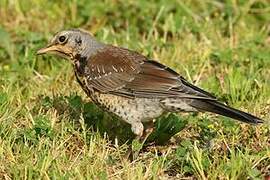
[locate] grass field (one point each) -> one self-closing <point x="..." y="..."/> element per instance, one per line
<point x="49" y="129"/>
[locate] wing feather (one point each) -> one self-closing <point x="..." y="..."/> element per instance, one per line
<point x="112" y="67"/>
<point x="126" y="73"/>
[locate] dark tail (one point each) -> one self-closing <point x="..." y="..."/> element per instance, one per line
<point x="219" y="108"/>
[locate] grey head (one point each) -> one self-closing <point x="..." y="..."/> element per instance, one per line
<point x="72" y="43"/>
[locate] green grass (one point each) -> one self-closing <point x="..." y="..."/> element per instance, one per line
<point x="49" y="129"/>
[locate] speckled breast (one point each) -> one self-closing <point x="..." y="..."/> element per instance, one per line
<point x="128" y="109"/>
<point x="138" y="109"/>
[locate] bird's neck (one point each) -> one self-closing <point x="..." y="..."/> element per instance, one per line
<point x="80" y="64"/>
<point x="85" y="53"/>
<point x="90" y="48"/>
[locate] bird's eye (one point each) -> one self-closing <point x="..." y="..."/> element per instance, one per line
<point x="62" y="39"/>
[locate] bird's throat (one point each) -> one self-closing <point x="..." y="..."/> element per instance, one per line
<point x="80" y="65"/>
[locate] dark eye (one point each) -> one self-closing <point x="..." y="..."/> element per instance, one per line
<point x="62" y="39"/>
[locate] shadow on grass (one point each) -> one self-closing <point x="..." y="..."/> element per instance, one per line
<point x="74" y="108"/>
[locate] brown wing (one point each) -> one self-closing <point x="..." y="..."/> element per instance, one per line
<point x="158" y="81"/>
<point x="127" y="73"/>
<point x="112" y="68"/>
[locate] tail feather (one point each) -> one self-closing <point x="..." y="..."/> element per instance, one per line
<point x="219" y="108"/>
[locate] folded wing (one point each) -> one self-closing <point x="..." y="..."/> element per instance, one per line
<point x="127" y="73"/>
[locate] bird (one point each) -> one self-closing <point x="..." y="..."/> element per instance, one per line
<point x="132" y="86"/>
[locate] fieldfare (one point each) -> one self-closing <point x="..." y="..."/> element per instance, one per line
<point x="132" y="86"/>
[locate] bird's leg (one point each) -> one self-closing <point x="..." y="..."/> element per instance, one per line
<point x="133" y="151"/>
<point x="149" y="128"/>
<point x="138" y="129"/>
<point x="141" y="137"/>
<point x="144" y="132"/>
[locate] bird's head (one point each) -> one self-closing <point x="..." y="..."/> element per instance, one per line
<point x="70" y="43"/>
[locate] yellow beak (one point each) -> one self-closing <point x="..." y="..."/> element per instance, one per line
<point x="46" y="49"/>
<point x="59" y="50"/>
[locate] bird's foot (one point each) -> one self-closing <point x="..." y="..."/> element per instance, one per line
<point x="138" y="143"/>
